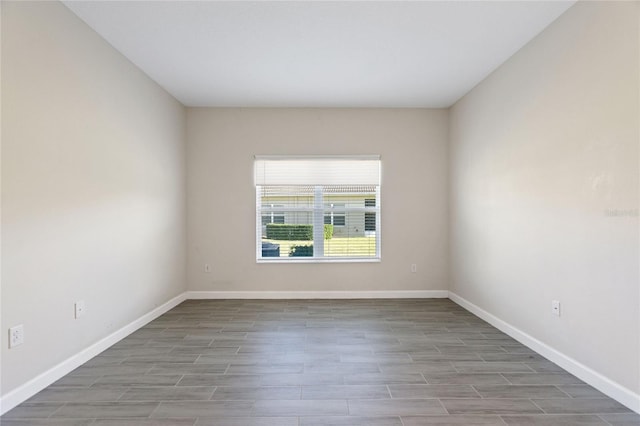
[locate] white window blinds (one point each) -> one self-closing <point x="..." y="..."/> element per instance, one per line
<point x="360" y="170"/>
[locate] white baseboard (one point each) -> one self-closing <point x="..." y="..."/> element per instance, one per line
<point x="400" y="294"/>
<point x="608" y="387"/>
<point x="605" y="385"/>
<point x="35" y="385"/>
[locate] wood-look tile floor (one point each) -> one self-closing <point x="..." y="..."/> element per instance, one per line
<point x="316" y="363"/>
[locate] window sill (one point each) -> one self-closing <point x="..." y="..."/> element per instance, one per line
<point x="320" y="260"/>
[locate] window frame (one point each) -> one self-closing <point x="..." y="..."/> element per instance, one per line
<point x="319" y="211"/>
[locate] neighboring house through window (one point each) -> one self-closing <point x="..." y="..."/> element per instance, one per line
<point x="370" y="217"/>
<point x="335" y="216"/>
<point x="273" y="217"/>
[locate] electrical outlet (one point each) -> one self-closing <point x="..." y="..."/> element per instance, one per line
<point x="16" y="336"/>
<point x="79" y="308"/>
<point x="207" y="268"/>
<point x="555" y="307"/>
<point x="414" y="268"/>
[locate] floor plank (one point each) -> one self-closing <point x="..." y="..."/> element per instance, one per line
<point x="405" y="362"/>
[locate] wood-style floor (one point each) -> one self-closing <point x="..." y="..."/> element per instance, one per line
<point x="319" y="362"/>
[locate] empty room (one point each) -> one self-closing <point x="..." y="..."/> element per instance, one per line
<point x="308" y="213"/>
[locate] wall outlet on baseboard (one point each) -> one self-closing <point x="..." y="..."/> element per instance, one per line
<point x="79" y="308"/>
<point x="16" y="336"/>
<point x="555" y="307"/>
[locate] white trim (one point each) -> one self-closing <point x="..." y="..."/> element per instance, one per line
<point x="311" y="259"/>
<point x="35" y="385"/>
<point x="401" y="294"/>
<point x="612" y="389"/>
<point x="605" y="385"/>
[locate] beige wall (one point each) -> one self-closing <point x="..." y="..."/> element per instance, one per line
<point x="544" y="190"/>
<point x="221" y="210"/>
<point x="93" y="189"/>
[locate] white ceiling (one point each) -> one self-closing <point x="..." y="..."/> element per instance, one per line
<point x="318" y="53"/>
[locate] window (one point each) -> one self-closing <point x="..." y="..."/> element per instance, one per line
<point x="317" y="208"/>
<point x="370" y="217"/>
<point x="273" y="217"/>
<point x="335" y="215"/>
